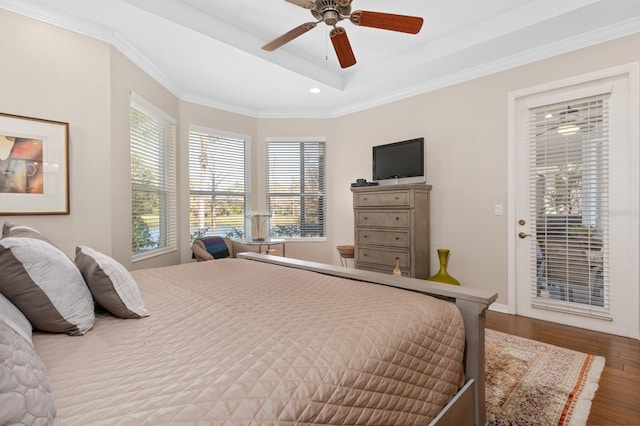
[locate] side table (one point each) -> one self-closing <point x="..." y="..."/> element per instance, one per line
<point x="268" y="243"/>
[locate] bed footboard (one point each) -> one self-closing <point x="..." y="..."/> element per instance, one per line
<point x="457" y="411"/>
<point x="472" y="304"/>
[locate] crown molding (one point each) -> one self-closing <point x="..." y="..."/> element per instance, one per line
<point x="591" y="38"/>
<point x="134" y="55"/>
<point x="224" y="106"/>
<point x="59" y="20"/>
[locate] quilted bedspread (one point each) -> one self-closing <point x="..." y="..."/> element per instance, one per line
<point x="237" y="342"/>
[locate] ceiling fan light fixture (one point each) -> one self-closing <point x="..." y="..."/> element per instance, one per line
<point x="331" y="12"/>
<point x="330" y="17"/>
<point x="568" y="129"/>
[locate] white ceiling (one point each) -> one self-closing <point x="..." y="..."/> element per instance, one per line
<point x="209" y="51"/>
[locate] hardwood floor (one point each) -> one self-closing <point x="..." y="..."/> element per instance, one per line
<point x="617" y="401"/>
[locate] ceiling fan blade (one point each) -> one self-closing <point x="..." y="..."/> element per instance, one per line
<point x="342" y="47"/>
<point x="387" y="21"/>
<point x="288" y="36"/>
<point x="307" y="4"/>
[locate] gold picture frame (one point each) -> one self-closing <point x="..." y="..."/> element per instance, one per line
<point x="34" y="166"/>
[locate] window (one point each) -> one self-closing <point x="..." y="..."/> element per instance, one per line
<point x="296" y="188"/>
<point x="218" y="184"/>
<point x="153" y="181"/>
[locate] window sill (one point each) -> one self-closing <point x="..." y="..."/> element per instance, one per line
<point x="304" y="240"/>
<point x="153" y="253"/>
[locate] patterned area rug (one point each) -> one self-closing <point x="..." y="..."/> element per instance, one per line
<point x="533" y="383"/>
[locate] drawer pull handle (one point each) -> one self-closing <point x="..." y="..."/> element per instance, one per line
<point x="397" y="218"/>
<point x="397" y="238"/>
<point x="365" y="218"/>
<point x="365" y="236"/>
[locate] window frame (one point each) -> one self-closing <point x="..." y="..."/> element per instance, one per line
<point x="246" y="194"/>
<point x="322" y="185"/>
<point x="166" y="190"/>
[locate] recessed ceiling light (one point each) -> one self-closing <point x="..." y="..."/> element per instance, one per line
<point x="315" y="90"/>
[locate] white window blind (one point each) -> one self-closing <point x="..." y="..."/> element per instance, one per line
<point x="296" y="188"/>
<point x="218" y="184"/>
<point x="153" y="181"/>
<point x="569" y="163"/>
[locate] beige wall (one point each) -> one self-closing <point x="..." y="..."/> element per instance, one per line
<point x="465" y="130"/>
<point x="59" y="75"/>
<point x="53" y="74"/>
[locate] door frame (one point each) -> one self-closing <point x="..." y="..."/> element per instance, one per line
<point x="632" y="73"/>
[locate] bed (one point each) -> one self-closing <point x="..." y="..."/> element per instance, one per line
<point x="267" y="340"/>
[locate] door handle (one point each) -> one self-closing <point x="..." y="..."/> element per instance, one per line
<point x="523" y="235"/>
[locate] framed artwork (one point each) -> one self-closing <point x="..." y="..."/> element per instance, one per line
<point x="34" y="166"/>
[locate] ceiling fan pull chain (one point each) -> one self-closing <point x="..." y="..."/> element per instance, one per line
<point x="326" y="43"/>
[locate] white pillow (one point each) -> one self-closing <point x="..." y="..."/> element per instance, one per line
<point x="111" y="285"/>
<point x="41" y="281"/>
<point x="15" y="319"/>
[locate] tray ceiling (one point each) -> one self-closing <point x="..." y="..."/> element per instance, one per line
<point x="209" y="51"/>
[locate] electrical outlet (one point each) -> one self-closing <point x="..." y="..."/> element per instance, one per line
<point x="497" y="210"/>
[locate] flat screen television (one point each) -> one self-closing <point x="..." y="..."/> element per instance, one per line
<point x="399" y="161"/>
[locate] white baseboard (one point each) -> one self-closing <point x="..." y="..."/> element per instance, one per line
<point x="499" y="307"/>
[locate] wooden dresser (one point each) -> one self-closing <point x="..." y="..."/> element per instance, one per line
<point x="392" y="223"/>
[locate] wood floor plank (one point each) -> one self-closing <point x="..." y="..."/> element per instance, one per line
<point x="617" y="401"/>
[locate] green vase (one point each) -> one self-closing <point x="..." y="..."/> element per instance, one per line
<point x="442" y="275"/>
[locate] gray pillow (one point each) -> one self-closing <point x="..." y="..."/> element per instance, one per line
<point x="25" y="390"/>
<point x="6" y="228"/>
<point x="15" y="319"/>
<point x="10" y="230"/>
<point x="45" y="285"/>
<point x="111" y="285"/>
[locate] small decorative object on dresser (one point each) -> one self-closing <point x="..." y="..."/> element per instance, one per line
<point x="392" y="227"/>
<point x="443" y="275"/>
<point x="396" y="270"/>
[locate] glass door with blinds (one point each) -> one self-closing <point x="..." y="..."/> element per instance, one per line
<point x="568" y="178"/>
<point x="573" y="174"/>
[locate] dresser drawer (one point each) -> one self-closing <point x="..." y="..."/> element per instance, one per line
<point x="383" y="269"/>
<point x="383" y="199"/>
<point x="385" y="218"/>
<point x="376" y="237"/>
<point x="383" y="257"/>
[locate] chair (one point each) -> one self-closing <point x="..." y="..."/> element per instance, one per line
<point x="569" y="274"/>
<point x="200" y="253"/>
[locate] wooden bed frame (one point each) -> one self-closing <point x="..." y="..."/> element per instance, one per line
<point x="467" y="407"/>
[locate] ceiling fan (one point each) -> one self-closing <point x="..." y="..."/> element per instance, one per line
<point x="333" y="11"/>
